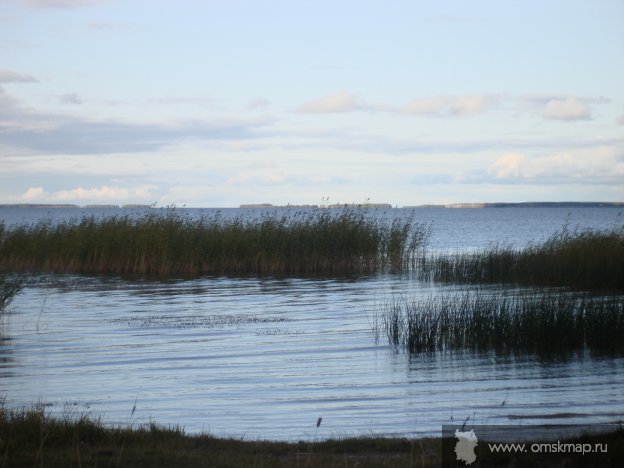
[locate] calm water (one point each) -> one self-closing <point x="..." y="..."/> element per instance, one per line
<point x="265" y="357"/>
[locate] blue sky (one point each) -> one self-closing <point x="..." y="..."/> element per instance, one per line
<point x="217" y="103"/>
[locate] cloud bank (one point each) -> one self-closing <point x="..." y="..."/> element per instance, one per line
<point x="62" y="134"/>
<point x="564" y="108"/>
<point x="436" y="106"/>
<point x="451" y="106"/>
<point x="104" y="193"/>
<point x="570" y="108"/>
<point x="599" y="165"/>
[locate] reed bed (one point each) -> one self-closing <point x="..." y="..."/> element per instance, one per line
<point x="168" y="243"/>
<point x="525" y="323"/>
<point x="588" y="260"/>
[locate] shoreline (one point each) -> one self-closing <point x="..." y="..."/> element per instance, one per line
<point x="31" y="437"/>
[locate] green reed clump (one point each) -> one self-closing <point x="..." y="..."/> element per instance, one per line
<point x="589" y="260"/>
<point x="541" y="323"/>
<point x="165" y="244"/>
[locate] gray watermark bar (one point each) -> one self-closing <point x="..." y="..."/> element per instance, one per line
<point x="522" y="445"/>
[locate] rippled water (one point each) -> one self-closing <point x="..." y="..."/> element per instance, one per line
<point x="265" y="357"/>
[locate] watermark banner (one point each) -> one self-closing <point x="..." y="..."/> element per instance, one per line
<point x="558" y="445"/>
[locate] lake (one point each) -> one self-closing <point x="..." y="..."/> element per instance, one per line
<point x="265" y="357"/>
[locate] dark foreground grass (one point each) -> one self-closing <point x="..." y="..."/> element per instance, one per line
<point x="534" y="323"/>
<point x="170" y="244"/>
<point x="587" y="259"/>
<point x="32" y="438"/>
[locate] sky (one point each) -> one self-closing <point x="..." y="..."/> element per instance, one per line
<point x="219" y="103"/>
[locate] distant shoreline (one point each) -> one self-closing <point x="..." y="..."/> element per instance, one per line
<point x="567" y="204"/>
<point x="525" y="205"/>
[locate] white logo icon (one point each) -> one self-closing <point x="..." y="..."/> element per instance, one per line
<point x="465" y="446"/>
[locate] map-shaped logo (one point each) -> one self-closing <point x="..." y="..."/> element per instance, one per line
<point x="466" y="443"/>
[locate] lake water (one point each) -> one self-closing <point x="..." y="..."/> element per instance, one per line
<point x="265" y="357"/>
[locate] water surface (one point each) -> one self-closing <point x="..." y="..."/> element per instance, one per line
<point x="265" y="357"/>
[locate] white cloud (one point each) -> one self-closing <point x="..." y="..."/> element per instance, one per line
<point x="598" y="165"/>
<point x="508" y="165"/>
<point x="8" y="76"/>
<point x="334" y="103"/>
<point x="569" y="108"/>
<point x="105" y="193"/>
<point x="563" y="107"/>
<point x="451" y="106"/>
<point x="33" y="194"/>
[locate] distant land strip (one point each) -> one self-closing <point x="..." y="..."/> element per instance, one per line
<point x="565" y="204"/>
<point x="570" y="204"/>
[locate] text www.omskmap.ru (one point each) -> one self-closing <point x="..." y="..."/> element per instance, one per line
<point x="554" y="447"/>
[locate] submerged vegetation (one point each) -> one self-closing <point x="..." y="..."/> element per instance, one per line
<point x="169" y="243"/>
<point x="10" y="286"/>
<point x="542" y="323"/>
<point x="589" y="260"/>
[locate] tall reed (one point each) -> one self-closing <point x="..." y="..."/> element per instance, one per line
<point x="541" y="323"/>
<point x="168" y="243"/>
<point x="588" y="259"/>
